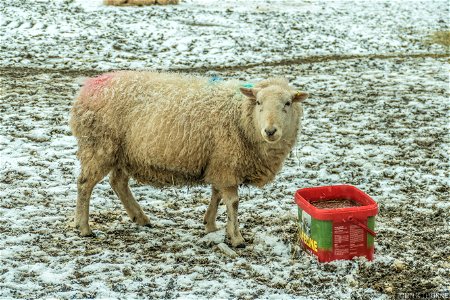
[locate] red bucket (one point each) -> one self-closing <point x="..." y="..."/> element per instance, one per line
<point x="336" y="222"/>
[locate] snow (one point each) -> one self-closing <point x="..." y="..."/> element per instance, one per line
<point x="380" y="123"/>
<point x="210" y="34"/>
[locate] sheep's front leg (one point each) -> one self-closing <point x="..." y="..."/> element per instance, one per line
<point x="231" y="199"/>
<point x="211" y="213"/>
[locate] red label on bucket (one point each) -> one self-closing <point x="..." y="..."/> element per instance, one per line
<point x="349" y="240"/>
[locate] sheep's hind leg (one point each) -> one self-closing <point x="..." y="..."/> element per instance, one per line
<point x="119" y="183"/>
<point x="91" y="173"/>
<point x="211" y="213"/>
<point x="231" y="198"/>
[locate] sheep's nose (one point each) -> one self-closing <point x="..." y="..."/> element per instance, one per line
<point x="271" y="131"/>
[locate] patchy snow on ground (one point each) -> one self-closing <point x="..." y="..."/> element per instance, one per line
<point x="86" y="34"/>
<point x="377" y="118"/>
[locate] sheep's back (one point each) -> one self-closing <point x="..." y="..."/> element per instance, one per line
<point x="170" y="122"/>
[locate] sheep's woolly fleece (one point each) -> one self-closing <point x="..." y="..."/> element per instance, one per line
<point x="190" y="132"/>
<point x="380" y="123"/>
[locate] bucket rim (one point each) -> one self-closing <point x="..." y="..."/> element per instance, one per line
<point x="305" y="195"/>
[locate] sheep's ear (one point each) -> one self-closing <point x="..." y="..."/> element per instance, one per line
<point x="250" y="92"/>
<point x="299" y="96"/>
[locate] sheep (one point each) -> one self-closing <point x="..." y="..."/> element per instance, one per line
<point x="167" y="129"/>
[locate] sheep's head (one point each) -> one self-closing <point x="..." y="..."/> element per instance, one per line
<point x="274" y="109"/>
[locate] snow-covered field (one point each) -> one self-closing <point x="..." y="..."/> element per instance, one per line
<point x="378" y="118"/>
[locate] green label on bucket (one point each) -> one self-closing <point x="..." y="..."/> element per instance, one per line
<point x="305" y="231"/>
<point x="322" y="233"/>
<point x="316" y="234"/>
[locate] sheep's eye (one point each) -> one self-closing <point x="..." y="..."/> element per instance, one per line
<point x="287" y="104"/>
<point x="258" y="103"/>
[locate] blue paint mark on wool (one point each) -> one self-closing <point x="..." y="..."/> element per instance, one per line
<point x="248" y="85"/>
<point x="215" y="79"/>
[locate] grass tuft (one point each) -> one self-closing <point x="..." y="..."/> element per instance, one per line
<point x="441" y="38"/>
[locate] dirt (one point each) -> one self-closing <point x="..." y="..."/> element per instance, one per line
<point x="243" y="67"/>
<point x="335" y="203"/>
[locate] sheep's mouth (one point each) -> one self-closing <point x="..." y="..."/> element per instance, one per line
<point x="271" y="139"/>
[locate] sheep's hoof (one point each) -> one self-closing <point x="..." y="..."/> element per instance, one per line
<point x="237" y="244"/>
<point x="241" y="245"/>
<point x="211" y="228"/>
<point x="142" y="220"/>
<point x="87" y="233"/>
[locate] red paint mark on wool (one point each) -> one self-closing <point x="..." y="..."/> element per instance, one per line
<point x="97" y="83"/>
<point x="91" y="87"/>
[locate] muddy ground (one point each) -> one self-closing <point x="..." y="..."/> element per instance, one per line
<point x="385" y="134"/>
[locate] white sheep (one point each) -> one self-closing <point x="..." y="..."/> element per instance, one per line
<point x="172" y="129"/>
